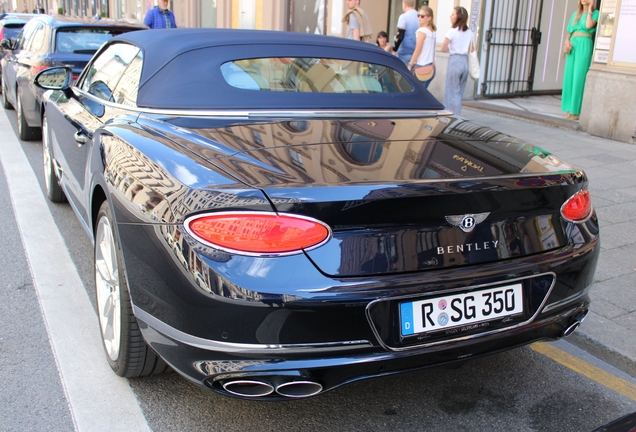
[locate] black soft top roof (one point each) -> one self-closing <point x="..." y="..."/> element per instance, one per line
<point x="182" y="70"/>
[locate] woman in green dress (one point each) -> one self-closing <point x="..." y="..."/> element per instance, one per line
<point x="578" y="45"/>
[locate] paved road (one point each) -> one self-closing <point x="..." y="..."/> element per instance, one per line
<point x="543" y="387"/>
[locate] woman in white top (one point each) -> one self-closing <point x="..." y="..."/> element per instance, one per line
<point x="457" y="43"/>
<point x="424" y="54"/>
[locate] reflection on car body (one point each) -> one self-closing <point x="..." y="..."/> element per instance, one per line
<point x="277" y="227"/>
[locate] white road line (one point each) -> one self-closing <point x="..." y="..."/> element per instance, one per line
<point x="98" y="399"/>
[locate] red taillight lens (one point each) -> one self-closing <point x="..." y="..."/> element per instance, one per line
<point x="578" y="207"/>
<point x="40" y="68"/>
<point x="255" y="233"/>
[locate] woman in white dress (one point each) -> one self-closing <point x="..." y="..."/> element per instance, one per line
<point x="424" y="54"/>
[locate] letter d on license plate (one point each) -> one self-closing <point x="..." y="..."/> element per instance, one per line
<point x="455" y="310"/>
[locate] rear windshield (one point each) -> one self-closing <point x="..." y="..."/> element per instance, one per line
<point x="313" y="75"/>
<point x="82" y="40"/>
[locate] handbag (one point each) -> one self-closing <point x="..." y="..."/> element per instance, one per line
<point x="473" y="62"/>
<point x="424" y="73"/>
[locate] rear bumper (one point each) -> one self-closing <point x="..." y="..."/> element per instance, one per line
<point x="330" y="367"/>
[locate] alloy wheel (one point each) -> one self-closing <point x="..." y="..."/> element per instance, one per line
<point x="108" y="288"/>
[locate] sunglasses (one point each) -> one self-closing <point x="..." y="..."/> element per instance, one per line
<point x="422" y="16"/>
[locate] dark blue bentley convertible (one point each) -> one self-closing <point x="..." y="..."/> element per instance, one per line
<point x="276" y="215"/>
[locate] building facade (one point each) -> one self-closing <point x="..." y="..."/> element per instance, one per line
<point x="520" y="41"/>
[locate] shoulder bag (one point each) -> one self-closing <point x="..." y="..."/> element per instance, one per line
<point x="473" y="62"/>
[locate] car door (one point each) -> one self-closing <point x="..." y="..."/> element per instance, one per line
<point x="30" y="62"/>
<point x="10" y="61"/>
<point x="77" y="118"/>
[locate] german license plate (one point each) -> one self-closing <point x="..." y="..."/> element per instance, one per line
<point x="457" y="310"/>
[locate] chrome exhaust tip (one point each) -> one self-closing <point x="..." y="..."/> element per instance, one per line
<point x="298" y="389"/>
<point x="577" y="322"/>
<point x="568" y="331"/>
<point x="248" y="388"/>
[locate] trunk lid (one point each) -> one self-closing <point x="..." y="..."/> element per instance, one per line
<point x="403" y="195"/>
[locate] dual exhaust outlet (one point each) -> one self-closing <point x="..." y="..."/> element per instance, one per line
<point x="257" y="387"/>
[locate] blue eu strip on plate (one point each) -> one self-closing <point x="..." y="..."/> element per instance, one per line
<point x="406" y="313"/>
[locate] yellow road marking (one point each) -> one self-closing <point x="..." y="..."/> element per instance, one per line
<point x="602" y="377"/>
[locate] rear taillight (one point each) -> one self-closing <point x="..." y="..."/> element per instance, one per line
<point x="1" y="33"/>
<point x="578" y="207"/>
<point x="258" y="233"/>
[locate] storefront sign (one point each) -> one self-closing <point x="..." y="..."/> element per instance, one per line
<point x="601" y="57"/>
<point x="603" y="43"/>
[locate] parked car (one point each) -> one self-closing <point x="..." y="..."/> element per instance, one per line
<point x="47" y="41"/>
<point x="10" y="26"/>
<point x="348" y="226"/>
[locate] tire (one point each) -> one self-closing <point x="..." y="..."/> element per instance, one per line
<point x="51" y="180"/>
<point x="5" y="102"/>
<point x="26" y="132"/>
<point x="126" y="351"/>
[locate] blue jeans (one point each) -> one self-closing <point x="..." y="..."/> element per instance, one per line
<point x="456" y="76"/>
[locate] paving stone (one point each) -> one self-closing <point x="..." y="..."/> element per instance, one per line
<point x="607" y="159"/>
<point x="585" y="162"/>
<point x="618" y="213"/>
<point x="605" y="308"/>
<point x="619" y="291"/>
<point x="613" y="236"/>
<point x="615" y="262"/>
<point x="617" y="193"/>
<point x="627" y="321"/>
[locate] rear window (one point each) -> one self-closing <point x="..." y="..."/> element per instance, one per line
<point x="313" y="75"/>
<point x="11" y="31"/>
<point x="82" y="40"/>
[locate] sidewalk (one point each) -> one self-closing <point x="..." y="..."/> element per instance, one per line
<point x="609" y="331"/>
<point x="542" y="109"/>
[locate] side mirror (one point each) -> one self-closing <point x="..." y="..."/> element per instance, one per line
<point x="7" y="44"/>
<point x="56" y="78"/>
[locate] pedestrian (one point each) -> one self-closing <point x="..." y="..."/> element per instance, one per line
<point x="457" y="43"/>
<point x="578" y="57"/>
<point x="160" y="16"/>
<point x="358" y="23"/>
<point x="382" y="40"/>
<point x="404" y="43"/>
<point x="423" y="58"/>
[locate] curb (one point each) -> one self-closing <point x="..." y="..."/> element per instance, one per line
<point x="523" y="114"/>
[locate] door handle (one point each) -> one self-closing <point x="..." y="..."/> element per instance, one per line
<point x="80" y="138"/>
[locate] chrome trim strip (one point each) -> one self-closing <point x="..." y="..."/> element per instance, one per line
<point x="560" y="303"/>
<point x="260" y="114"/>
<point x="230" y="347"/>
<point x="445" y="292"/>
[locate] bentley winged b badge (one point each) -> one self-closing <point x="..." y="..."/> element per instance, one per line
<point x="467" y="222"/>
